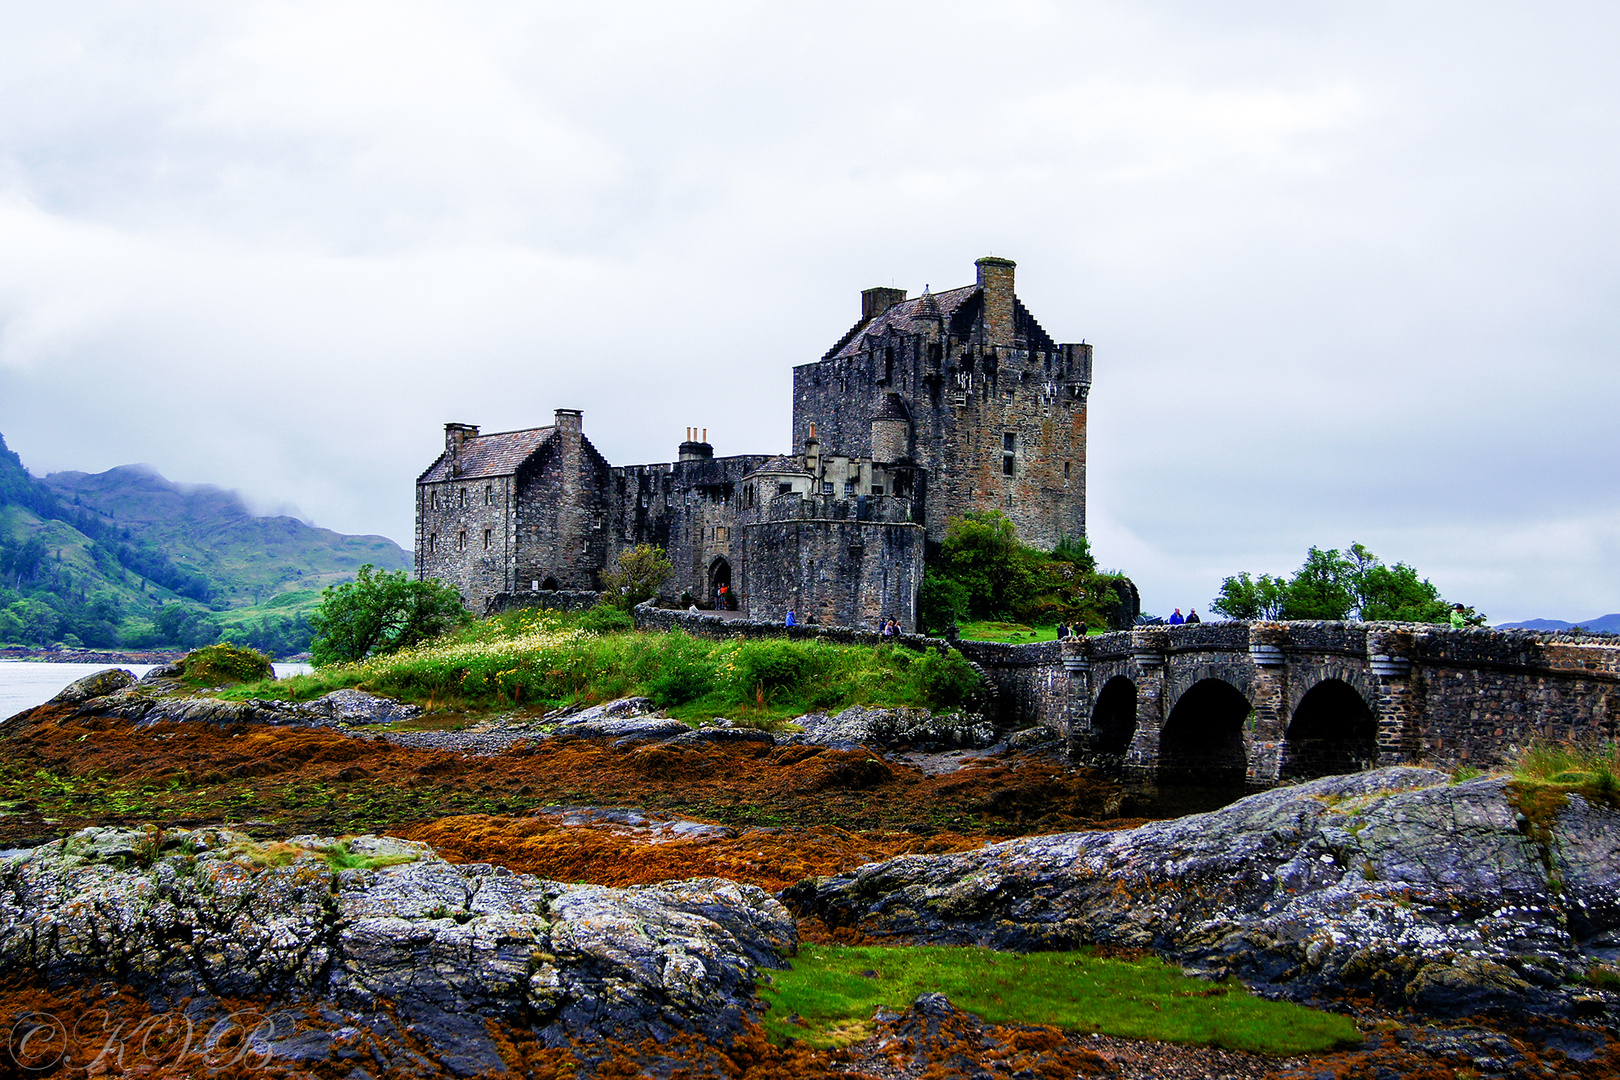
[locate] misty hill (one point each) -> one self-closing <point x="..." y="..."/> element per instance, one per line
<point x="126" y="557"/>
<point x="1605" y="624"/>
<point x="210" y="531"/>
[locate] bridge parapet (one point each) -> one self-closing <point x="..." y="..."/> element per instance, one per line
<point x="1303" y="697"/>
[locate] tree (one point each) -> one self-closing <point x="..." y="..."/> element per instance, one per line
<point x="380" y="612"/>
<point x="1337" y="585"/>
<point x="641" y="570"/>
<point x="1243" y="597"/>
<point x="940" y="602"/>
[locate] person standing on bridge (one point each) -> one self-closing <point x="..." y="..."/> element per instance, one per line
<point x="1176" y="618"/>
<point x="1192" y="615"/>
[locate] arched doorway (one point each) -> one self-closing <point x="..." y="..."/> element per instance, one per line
<point x="1113" y="720"/>
<point x="1333" y="731"/>
<point x="720" y="591"/>
<point x="549" y="585"/>
<point x="1202" y="741"/>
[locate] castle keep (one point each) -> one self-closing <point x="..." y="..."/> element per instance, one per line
<point x="926" y="409"/>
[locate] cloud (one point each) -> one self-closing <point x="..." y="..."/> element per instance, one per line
<point x="1349" y="271"/>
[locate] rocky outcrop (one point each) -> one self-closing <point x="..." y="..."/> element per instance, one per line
<point x="1433" y="895"/>
<point x="375" y="923"/>
<point x="97" y="684"/>
<point x="897" y="727"/>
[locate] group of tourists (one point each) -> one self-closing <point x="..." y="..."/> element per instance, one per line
<point x="1064" y="630"/>
<point x="1177" y="618"/>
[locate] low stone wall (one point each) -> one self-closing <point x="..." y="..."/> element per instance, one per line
<point x="545" y="600"/>
<point x="705" y="624"/>
<point x="1031" y="684"/>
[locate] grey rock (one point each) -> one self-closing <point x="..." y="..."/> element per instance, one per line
<point x="203" y="912"/>
<point x="619" y="709"/>
<point x="356" y="707"/>
<point x="644" y="727"/>
<point x="1392" y="880"/>
<point x="894" y="727"/>
<point x="100" y="684"/>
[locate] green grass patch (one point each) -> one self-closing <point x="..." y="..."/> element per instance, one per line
<point x="834" y="991"/>
<point x="539" y="660"/>
<point x="1010" y="632"/>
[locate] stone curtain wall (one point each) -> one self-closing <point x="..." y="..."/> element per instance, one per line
<point x="556" y="600"/>
<point x="830" y="562"/>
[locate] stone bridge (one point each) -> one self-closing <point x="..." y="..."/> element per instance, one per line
<point x="1267" y="702"/>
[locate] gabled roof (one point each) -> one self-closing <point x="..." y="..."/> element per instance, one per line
<point x="906" y="317"/>
<point x="497" y="454"/>
<point x="959" y="308"/>
<point x="780" y="466"/>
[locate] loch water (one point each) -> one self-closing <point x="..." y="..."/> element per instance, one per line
<point x="26" y="683"/>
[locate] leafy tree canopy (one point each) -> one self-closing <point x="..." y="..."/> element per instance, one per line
<point x="982" y="572"/>
<point x="641" y="570"/>
<point x="1338" y="585"/>
<point x="380" y="612"/>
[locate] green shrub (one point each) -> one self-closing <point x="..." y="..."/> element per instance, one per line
<point x="223" y="664"/>
<point x="944" y="682"/>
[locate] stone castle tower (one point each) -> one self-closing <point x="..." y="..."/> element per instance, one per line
<point x="926" y="409"/>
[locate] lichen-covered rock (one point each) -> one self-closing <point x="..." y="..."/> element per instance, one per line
<point x="1394" y="880"/>
<point x="378" y="922"/>
<point x="897" y="727"/>
<point x="98" y="684"/>
<point x="355" y="707"/>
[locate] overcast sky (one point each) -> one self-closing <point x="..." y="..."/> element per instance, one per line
<point x="1351" y="270"/>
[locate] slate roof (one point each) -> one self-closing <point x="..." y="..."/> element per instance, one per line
<point x="781" y="465"/>
<point x="497" y="454"/>
<point x="892" y="409"/>
<point x="959" y="308"/>
<point x="906" y="317"/>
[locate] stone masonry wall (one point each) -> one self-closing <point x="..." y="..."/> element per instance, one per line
<point x="465" y="536"/>
<point x="833" y="572"/>
<point x="562" y="514"/>
<point x="1032" y="687"/>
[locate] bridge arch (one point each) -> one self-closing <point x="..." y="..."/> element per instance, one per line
<point x="1202" y="740"/>
<point x="1183" y="677"/>
<point x="1333" y="729"/>
<point x="1113" y="718"/>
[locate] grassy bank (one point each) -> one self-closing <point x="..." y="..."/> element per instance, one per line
<point x="833" y="990"/>
<point x="542" y="660"/>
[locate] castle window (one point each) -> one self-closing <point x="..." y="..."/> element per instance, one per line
<point x="784" y="489"/>
<point x="849" y="487"/>
<point x="1065" y="470"/>
<point x="433" y="542"/>
<point x="721" y="534"/>
<point x="462" y="494"/>
<point x="461" y="540"/>
<point x="1007" y="395"/>
<point x="877" y="489"/>
<point x="434" y="498"/>
<point x="1009" y="450"/>
<point x="826" y="487"/>
<point x="487" y="537"/>
<point x="888" y="363"/>
<point x="489" y="494"/>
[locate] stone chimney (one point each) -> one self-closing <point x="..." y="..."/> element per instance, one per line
<point x="996" y="281"/>
<point x="454" y="436"/>
<point x="875" y="302"/>
<point x="568" y="421"/>
<point x="696" y="448"/>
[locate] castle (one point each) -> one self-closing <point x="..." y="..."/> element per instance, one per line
<point x="926" y="409"/>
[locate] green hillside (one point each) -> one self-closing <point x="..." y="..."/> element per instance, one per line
<point x="128" y="558"/>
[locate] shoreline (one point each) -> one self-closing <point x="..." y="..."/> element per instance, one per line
<point x="93" y="656"/>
